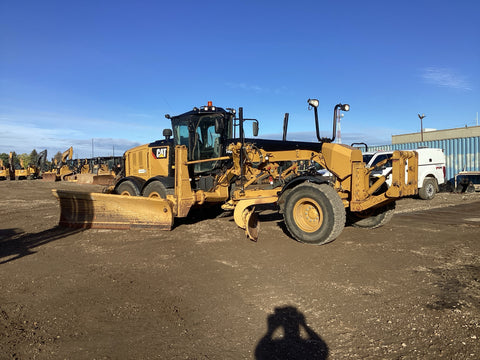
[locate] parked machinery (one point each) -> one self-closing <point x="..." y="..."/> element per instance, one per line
<point x="98" y="171"/>
<point x="21" y="172"/>
<point x="34" y="171"/>
<point x="61" y="169"/>
<point x="7" y="171"/>
<point x="204" y="163"/>
<point x="4" y="171"/>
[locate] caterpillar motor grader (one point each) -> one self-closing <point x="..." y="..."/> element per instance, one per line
<point x="98" y="171"/>
<point x="201" y="161"/>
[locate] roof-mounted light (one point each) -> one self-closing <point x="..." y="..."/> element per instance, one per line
<point x="209" y="107"/>
<point x="345" y="107"/>
<point x="313" y="103"/>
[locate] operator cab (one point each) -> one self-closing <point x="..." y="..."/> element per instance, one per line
<point x="204" y="131"/>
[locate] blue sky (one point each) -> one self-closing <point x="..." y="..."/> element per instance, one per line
<point x="72" y="71"/>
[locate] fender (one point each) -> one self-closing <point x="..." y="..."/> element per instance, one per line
<point x="300" y="179"/>
<point x="428" y="176"/>
<point x="297" y="181"/>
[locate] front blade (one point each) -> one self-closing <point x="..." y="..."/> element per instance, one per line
<point x="106" y="211"/>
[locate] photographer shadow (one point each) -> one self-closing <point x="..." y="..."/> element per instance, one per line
<point x="299" y="341"/>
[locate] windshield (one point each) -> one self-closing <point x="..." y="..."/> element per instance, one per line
<point x="367" y="158"/>
<point x="198" y="134"/>
<point x="381" y="157"/>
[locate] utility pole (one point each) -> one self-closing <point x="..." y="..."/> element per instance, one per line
<point x="421" y="125"/>
<point x="92" y="148"/>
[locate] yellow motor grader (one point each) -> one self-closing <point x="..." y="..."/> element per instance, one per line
<point x="92" y="171"/>
<point x="206" y="163"/>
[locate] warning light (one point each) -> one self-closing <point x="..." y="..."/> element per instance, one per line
<point x="209" y="104"/>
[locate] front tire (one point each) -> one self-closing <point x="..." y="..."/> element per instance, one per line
<point x="155" y="190"/>
<point x="127" y="188"/>
<point x="314" y="213"/>
<point x="428" y="190"/>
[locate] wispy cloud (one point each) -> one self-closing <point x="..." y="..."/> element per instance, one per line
<point x="256" y="88"/>
<point x="244" y="86"/>
<point x="140" y="115"/>
<point x="24" y="131"/>
<point x="446" y="77"/>
<point x="23" y="139"/>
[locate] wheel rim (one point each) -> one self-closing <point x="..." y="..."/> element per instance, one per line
<point x="154" y="194"/>
<point x="308" y="215"/>
<point x="430" y="190"/>
<point x="125" y="193"/>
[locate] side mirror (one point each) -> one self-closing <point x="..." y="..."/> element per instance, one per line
<point x="167" y="133"/>
<point x="219" y="126"/>
<point x="255" y="128"/>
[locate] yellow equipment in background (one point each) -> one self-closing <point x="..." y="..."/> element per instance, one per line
<point x="96" y="173"/>
<point x="4" y="172"/>
<point x="206" y="164"/>
<point x="34" y="170"/>
<point x="61" y="170"/>
<point x="7" y="172"/>
<point x="21" y="174"/>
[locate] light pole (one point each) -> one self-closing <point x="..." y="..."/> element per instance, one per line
<point x="421" y="124"/>
<point x="339" y="128"/>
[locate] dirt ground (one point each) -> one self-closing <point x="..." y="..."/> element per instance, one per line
<point x="408" y="290"/>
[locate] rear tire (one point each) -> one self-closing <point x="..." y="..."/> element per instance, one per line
<point x="314" y="213"/>
<point x="155" y="190"/>
<point x="372" y="218"/>
<point x="428" y="190"/>
<point x="127" y="188"/>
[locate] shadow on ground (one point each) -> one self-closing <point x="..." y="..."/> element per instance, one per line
<point x="458" y="287"/>
<point x="289" y="337"/>
<point x="15" y="244"/>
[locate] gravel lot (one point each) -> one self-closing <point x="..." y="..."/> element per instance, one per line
<point x="408" y="290"/>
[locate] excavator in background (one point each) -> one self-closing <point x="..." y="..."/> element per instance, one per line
<point x="7" y="172"/>
<point x="34" y="171"/>
<point x="205" y="163"/>
<point x="61" y="169"/>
